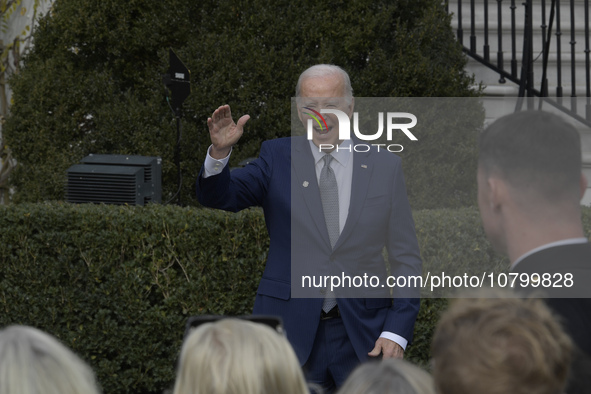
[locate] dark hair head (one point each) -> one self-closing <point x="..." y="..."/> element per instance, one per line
<point x="533" y="151"/>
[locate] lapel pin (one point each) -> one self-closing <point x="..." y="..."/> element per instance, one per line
<point x="364" y="166"/>
<point x="305" y="184"/>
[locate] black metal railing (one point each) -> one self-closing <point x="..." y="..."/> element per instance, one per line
<point x="542" y="32"/>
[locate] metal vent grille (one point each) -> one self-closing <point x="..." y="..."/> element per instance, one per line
<point x="115" y="179"/>
<point x="104" y="184"/>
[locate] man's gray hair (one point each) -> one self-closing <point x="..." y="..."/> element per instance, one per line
<point x="325" y="70"/>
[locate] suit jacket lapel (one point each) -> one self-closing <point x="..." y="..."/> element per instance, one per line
<point x="305" y="184"/>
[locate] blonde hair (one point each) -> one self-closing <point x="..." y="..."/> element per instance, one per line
<point x="389" y="376"/>
<point x="499" y="346"/>
<point x="233" y="356"/>
<point x="34" y="362"/>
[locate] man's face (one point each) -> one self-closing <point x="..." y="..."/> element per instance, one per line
<point x="488" y="212"/>
<point x="323" y="93"/>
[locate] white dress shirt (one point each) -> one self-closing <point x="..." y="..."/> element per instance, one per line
<point x="569" y="241"/>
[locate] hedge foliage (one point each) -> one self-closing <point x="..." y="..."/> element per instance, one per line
<point x="117" y="284"/>
<point x="92" y="83"/>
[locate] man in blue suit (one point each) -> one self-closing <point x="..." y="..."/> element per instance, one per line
<point x="308" y="230"/>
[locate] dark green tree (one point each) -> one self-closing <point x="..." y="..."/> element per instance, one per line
<point x="93" y="81"/>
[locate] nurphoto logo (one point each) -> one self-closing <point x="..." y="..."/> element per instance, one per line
<point x="345" y="129"/>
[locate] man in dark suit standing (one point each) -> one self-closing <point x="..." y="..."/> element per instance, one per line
<point x="331" y="213"/>
<point x="529" y="189"/>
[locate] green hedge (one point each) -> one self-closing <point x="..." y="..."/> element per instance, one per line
<point x="92" y="82"/>
<point x="117" y="284"/>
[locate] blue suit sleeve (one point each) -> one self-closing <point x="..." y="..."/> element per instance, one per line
<point x="238" y="189"/>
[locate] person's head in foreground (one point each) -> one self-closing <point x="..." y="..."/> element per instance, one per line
<point x="34" y="362"/>
<point x="529" y="181"/>
<point x="391" y="376"/>
<point x="500" y="346"/>
<point x="233" y="356"/>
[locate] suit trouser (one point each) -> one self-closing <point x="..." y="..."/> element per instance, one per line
<point x="332" y="358"/>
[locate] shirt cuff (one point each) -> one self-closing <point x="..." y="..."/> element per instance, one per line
<point x="396" y="338"/>
<point x="213" y="166"/>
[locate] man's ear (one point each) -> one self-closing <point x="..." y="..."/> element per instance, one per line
<point x="351" y="107"/>
<point x="583" y="184"/>
<point x="497" y="192"/>
<point x="299" y="109"/>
